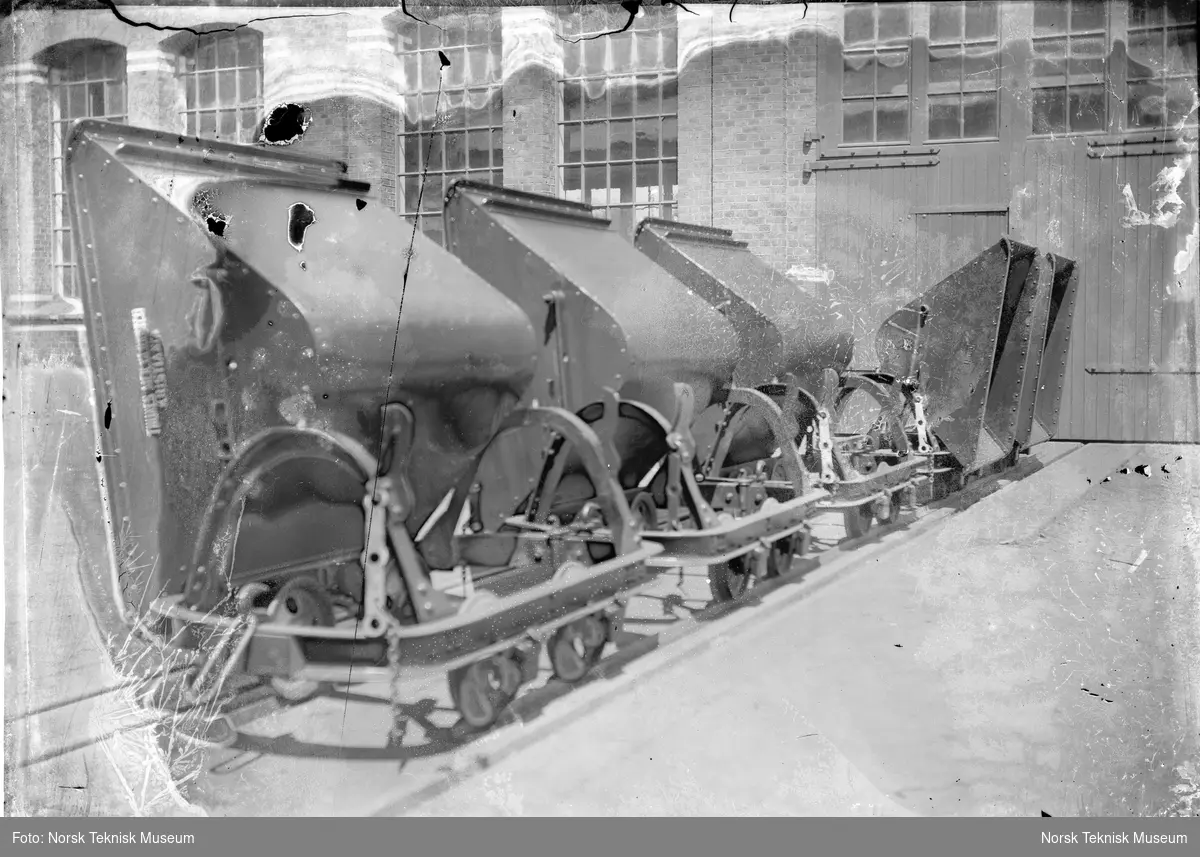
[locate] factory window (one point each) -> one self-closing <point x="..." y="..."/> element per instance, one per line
<point x="1161" y="73"/>
<point x="1067" y="74"/>
<point x="619" y="131"/>
<point x="453" y="116"/>
<point x="875" y="73"/>
<point x="964" y="71"/>
<point x="86" y="81"/>
<point x="222" y="77"/>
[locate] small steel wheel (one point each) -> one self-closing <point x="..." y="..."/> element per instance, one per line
<point x="576" y="648"/>
<point x="893" y="514"/>
<point x="163" y="691"/>
<point x="779" y="560"/>
<point x="249" y="596"/>
<point x="859" y="520"/>
<point x="729" y="581"/>
<point x="481" y="691"/>
<point x="300" y="601"/>
<point x="200" y="729"/>
<point x="645" y="512"/>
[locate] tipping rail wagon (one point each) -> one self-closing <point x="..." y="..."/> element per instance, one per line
<point x="642" y="357"/>
<point x="315" y="410"/>
<point x="283" y="431"/>
<point x="781" y="420"/>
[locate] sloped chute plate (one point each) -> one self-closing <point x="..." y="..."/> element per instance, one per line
<point x="1016" y="352"/>
<point x="614" y="298"/>
<point x="1052" y="374"/>
<point x="1040" y="286"/>
<point x="947" y="338"/>
<point x="782" y="328"/>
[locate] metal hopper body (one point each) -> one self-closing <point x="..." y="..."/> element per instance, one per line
<point x="201" y="341"/>
<point x="641" y="356"/>
<point x="621" y="339"/>
<point x="782" y="329"/>
<point x="288" y="410"/>
<point x="609" y="318"/>
<point x="794" y="358"/>
<point x="974" y="344"/>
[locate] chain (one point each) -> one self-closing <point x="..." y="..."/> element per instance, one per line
<point x="399" y="726"/>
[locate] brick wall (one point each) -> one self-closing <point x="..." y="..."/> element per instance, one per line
<point x="749" y="139"/>
<point x="696" y="131"/>
<point x="747" y="95"/>
<point x="343" y="70"/>
<point x="25" y="190"/>
<point x="800" y="97"/>
<point x="532" y="64"/>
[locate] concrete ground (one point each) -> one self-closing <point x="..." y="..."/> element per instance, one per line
<point x="330" y="756"/>
<point x="1002" y="664"/>
<point x="1022" y="656"/>
<point x="72" y="746"/>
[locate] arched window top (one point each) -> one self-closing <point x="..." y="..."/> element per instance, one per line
<point x="218" y="46"/>
<point x="82" y="60"/>
<point x="86" y="81"/>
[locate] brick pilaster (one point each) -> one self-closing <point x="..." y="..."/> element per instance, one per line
<point x="352" y="95"/>
<point x="747" y="94"/>
<point x="154" y="97"/>
<point x="25" y="193"/>
<point x="532" y="65"/>
<point x="695" y="58"/>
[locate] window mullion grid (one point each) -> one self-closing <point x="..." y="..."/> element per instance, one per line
<point x="607" y="164"/>
<point x="428" y="138"/>
<point x="860" y="98"/>
<point x="63" y="86"/>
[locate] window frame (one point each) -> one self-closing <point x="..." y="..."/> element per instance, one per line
<point x="428" y="132"/>
<point x="1108" y="78"/>
<point x="964" y="44"/>
<point x="189" y="80"/>
<point x="63" y="280"/>
<point x="1164" y="27"/>
<point x="874" y="50"/>
<point x="664" y="197"/>
<point x="1015" y="114"/>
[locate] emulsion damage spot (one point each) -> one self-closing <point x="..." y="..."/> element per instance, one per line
<point x="285" y="125"/>
<point x="300" y="217"/>
<point x="204" y="204"/>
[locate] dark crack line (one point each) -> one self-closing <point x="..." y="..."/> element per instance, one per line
<point x="734" y="6"/>
<point x="396" y="340"/>
<point x="167" y="28"/>
<point x="630" y="6"/>
<point x="408" y="14"/>
<point x="679" y="5"/>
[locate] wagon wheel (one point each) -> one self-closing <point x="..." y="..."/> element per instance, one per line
<point x="729" y="581"/>
<point x="203" y="729"/>
<point x="576" y="648"/>
<point x="482" y="690"/>
<point x="645" y="512"/>
<point x="893" y="514"/>
<point x="858" y="520"/>
<point x="781" y="555"/>
<point x="301" y="601"/>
